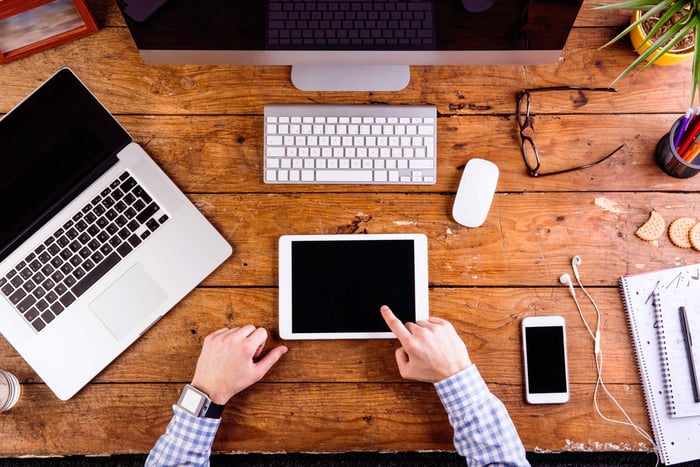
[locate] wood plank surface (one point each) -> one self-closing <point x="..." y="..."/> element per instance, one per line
<point x="203" y="126"/>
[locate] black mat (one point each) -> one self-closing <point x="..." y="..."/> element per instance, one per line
<point x="632" y="459"/>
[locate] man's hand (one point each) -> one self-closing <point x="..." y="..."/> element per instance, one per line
<point x="229" y="361"/>
<point x="431" y="350"/>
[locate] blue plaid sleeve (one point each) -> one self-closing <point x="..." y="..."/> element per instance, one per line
<point x="187" y="441"/>
<point x="483" y="431"/>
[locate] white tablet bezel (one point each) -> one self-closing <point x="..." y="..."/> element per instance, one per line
<point x="420" y="250"/>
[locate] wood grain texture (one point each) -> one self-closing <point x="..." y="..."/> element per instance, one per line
<point x="203" y="126"/>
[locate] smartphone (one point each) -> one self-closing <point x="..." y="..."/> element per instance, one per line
<point x="544" y="352"/>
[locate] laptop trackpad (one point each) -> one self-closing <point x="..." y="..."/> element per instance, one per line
<point x="126" y="303"/>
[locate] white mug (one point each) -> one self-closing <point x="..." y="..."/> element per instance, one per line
<point x="9" y="391"/>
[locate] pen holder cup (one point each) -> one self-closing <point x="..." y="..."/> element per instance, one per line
<point x="670" y="161"/>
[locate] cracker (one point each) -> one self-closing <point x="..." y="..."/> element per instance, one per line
<point x="653" y="228"/>
<point x="694" y="236"/>
<point x="679" y="231"/>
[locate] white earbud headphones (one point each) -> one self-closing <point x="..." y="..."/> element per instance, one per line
<point x="575" y="263"/>
<point x="566" y="279"/>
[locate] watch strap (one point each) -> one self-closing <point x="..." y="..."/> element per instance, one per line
<point x="214" y="410"/>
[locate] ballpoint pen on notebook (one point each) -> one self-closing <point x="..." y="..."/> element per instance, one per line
<point x="688" y="337"/>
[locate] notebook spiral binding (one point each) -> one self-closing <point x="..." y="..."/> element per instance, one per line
<point x="663" y="354"/>
<point x="646" y="379"/>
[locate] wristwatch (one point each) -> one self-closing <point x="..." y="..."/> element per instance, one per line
<point x="197" y="403"/>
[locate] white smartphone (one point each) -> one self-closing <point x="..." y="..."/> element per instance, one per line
<point x="546" y="367"/>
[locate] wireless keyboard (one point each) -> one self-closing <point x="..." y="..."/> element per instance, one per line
<point x="372" y="144"/>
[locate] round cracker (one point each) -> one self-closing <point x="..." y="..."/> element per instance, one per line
<point x="653" y="228"/>
<point x="694" y="236"/>
<point x="679" y="231"/>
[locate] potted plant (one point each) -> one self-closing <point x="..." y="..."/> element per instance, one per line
<point x="658" y="29"/>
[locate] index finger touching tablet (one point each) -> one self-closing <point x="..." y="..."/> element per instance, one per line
<point x="394" y="323"/>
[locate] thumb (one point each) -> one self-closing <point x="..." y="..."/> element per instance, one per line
<point x="402" y="359"/>
<point x="269" y="360"/>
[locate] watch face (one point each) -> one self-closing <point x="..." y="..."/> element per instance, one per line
<point x="191" y="400"/>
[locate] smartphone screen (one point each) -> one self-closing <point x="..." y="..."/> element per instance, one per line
<point x="545" y="360"/>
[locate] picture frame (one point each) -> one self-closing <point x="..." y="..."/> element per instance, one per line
<point x="30" y="26"/>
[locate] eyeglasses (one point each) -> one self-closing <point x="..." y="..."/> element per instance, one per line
<point x="529" y="150"/>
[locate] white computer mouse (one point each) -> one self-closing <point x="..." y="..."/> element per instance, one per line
<point x="475" y="193"/>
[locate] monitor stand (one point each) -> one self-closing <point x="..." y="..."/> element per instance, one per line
<point x="350" y="77"/>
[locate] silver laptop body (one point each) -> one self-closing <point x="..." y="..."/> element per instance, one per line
<point x="129" y="277"/>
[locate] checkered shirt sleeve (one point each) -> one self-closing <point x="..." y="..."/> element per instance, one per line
<point x="186" y="442"/>
<point x="483" y="431"/>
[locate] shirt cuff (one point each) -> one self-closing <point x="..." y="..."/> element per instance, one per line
<point x="193" y="431"/>
<point x="461" y="390"/>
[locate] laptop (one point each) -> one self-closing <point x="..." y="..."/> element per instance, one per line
<point x="96" y="242"/>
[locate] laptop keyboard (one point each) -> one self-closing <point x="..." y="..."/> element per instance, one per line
<point x="84" y="249"/>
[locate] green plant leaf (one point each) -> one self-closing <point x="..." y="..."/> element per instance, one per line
<point x="632" y="5"/>
<point x="655" y="46"/>
<point x="676" y="32"/>
<point x="636" y="23"/>
<point x="666" y="9"/>
<point x="666" y="17"/>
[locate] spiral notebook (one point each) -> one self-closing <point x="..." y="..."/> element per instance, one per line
<point x="675" y="361"/>
<point x="677" y="438"/>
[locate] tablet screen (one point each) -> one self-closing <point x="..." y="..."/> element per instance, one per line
<point x="332" y="286"/>
<point x="339" y="286"/>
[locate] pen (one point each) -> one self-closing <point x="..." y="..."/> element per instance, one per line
<point x="692" y="151"/>
<point x="691" y="131"/>
<point x="691" y="357"/>
<point x="682" y="127"/>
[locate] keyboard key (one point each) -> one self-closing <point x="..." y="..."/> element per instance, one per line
<point x="38" y="324"/>
<point x="7" y="289"/>
<point x="147" y="213"/>
<point x="47" y="316"/>
<point x="128" y="184"/>
<point x="344" y="176"/>
<point x="67" y="299"/>
<point x="134" y="240"/>
<point x="26" y="303"/>
<point x="31" y="314"/>
<point x="124" y="249"/>
<point x="57" y="308"/>
<point x="99" y="271"/>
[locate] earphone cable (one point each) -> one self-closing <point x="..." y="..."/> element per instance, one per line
<point x="598" y="354"/>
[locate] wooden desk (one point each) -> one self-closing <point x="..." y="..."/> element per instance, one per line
<point x="203" y="125"/>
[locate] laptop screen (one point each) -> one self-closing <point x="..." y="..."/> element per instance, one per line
<point x="52" y="146"/>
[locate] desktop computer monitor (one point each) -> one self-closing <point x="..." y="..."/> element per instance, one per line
<point x="360" y="45"/>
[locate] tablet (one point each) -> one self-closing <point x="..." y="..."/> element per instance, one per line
<point x="332" y="286"/>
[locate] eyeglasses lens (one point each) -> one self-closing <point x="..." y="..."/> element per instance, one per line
<point x="532" y="159"/>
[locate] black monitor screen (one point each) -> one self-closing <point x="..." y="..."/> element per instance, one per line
<point x="411" y="25"/>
